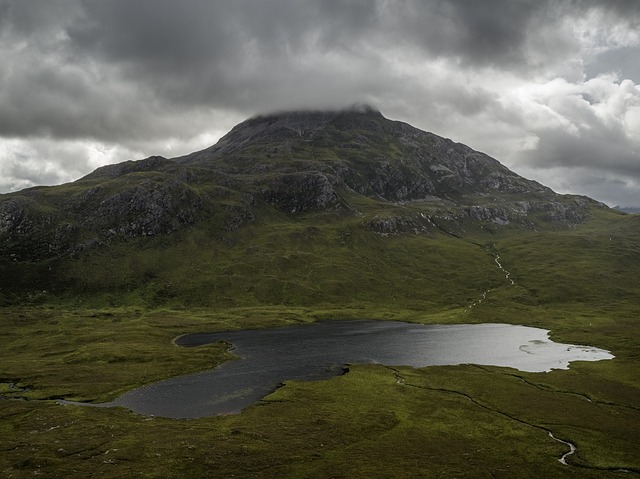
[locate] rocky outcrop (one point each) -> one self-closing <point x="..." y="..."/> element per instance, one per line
<point x="14" y="217"/>
<point x="569" y="213"/>
<point x="30" y="231"/>
<point x="493" y="214"/>
<point x="144" y="209"/>
<point x="33" y="228"/>
<point x="394" y="225"/>
<point x="299" y="192"/>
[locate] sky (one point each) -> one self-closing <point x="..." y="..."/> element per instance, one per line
<point x="551" y="88"/>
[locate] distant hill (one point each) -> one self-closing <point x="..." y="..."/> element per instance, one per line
<point x="627" y="209"/>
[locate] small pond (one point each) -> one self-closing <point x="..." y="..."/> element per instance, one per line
<point x="321" y="350"/>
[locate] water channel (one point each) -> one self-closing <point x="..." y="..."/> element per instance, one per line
<point x="268" y="357"/>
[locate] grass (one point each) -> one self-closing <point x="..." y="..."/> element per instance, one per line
<point x="441" y="422"/>
<point x="103" y="323"/>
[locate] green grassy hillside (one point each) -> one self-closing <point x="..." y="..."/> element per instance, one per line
<point x="111" y="326"/>
<point x="298" y="218"/>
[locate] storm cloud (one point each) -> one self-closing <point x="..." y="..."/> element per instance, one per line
<point x="550" y="88"/>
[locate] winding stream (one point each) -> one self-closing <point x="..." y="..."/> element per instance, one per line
<point x="572" y="449"/>
<point x="507" y="274"/>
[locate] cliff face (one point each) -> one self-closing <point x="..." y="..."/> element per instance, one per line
<point x="296" y="162"/>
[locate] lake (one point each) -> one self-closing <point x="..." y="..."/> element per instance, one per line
<point x="268" y="357"/>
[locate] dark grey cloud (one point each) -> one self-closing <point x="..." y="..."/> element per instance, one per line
<point x="36" y="19"/>
<point x="229" y="54"/>
<point x="485" y="33"/>
<point x="148" y="75"/>
<point x="238" y="54"/>
<point x="597" y="150"/>
<point x="222" y="48"/>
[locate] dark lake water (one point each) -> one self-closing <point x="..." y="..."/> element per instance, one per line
<point x="321" y="350"/>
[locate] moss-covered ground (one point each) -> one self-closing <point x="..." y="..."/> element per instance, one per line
<point x="107" y="327"/>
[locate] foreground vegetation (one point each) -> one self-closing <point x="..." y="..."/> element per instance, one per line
<point x="107" y="326"/>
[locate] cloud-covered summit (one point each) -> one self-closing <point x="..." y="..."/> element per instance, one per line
<point x="550" y="88"/>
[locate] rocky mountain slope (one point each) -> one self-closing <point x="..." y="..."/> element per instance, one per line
<point x="302" y="208"/>
<point x="348" y="162"/>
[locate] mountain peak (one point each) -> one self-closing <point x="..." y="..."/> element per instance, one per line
<point x="362" y="108"/>
<point x="288" y="125"/>
<point x="311" y="118"/>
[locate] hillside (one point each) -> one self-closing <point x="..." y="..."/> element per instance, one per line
<point x="329" y="205"/>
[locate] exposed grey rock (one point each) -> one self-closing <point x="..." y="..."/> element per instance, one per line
<point x="146" y="209"/>
<point x="27" y="230"/>
<point x="568" y="214"/>
<point x="493" y="214"/>
<point x="12" y="216"/>
<point x="300" y="192"/>
<point x="393" y="225"/>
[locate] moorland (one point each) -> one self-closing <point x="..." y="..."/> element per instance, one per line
<point x="293" y="219"/>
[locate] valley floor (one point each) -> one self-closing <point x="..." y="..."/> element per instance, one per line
<point x="375" y="421"/>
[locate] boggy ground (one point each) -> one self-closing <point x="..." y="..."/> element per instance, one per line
<point x="375" y="421"/>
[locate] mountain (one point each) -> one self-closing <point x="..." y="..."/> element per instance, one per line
<point x="295" y="162"/>
<point x="627" y="209"/>
<point x="349" y="168"/>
